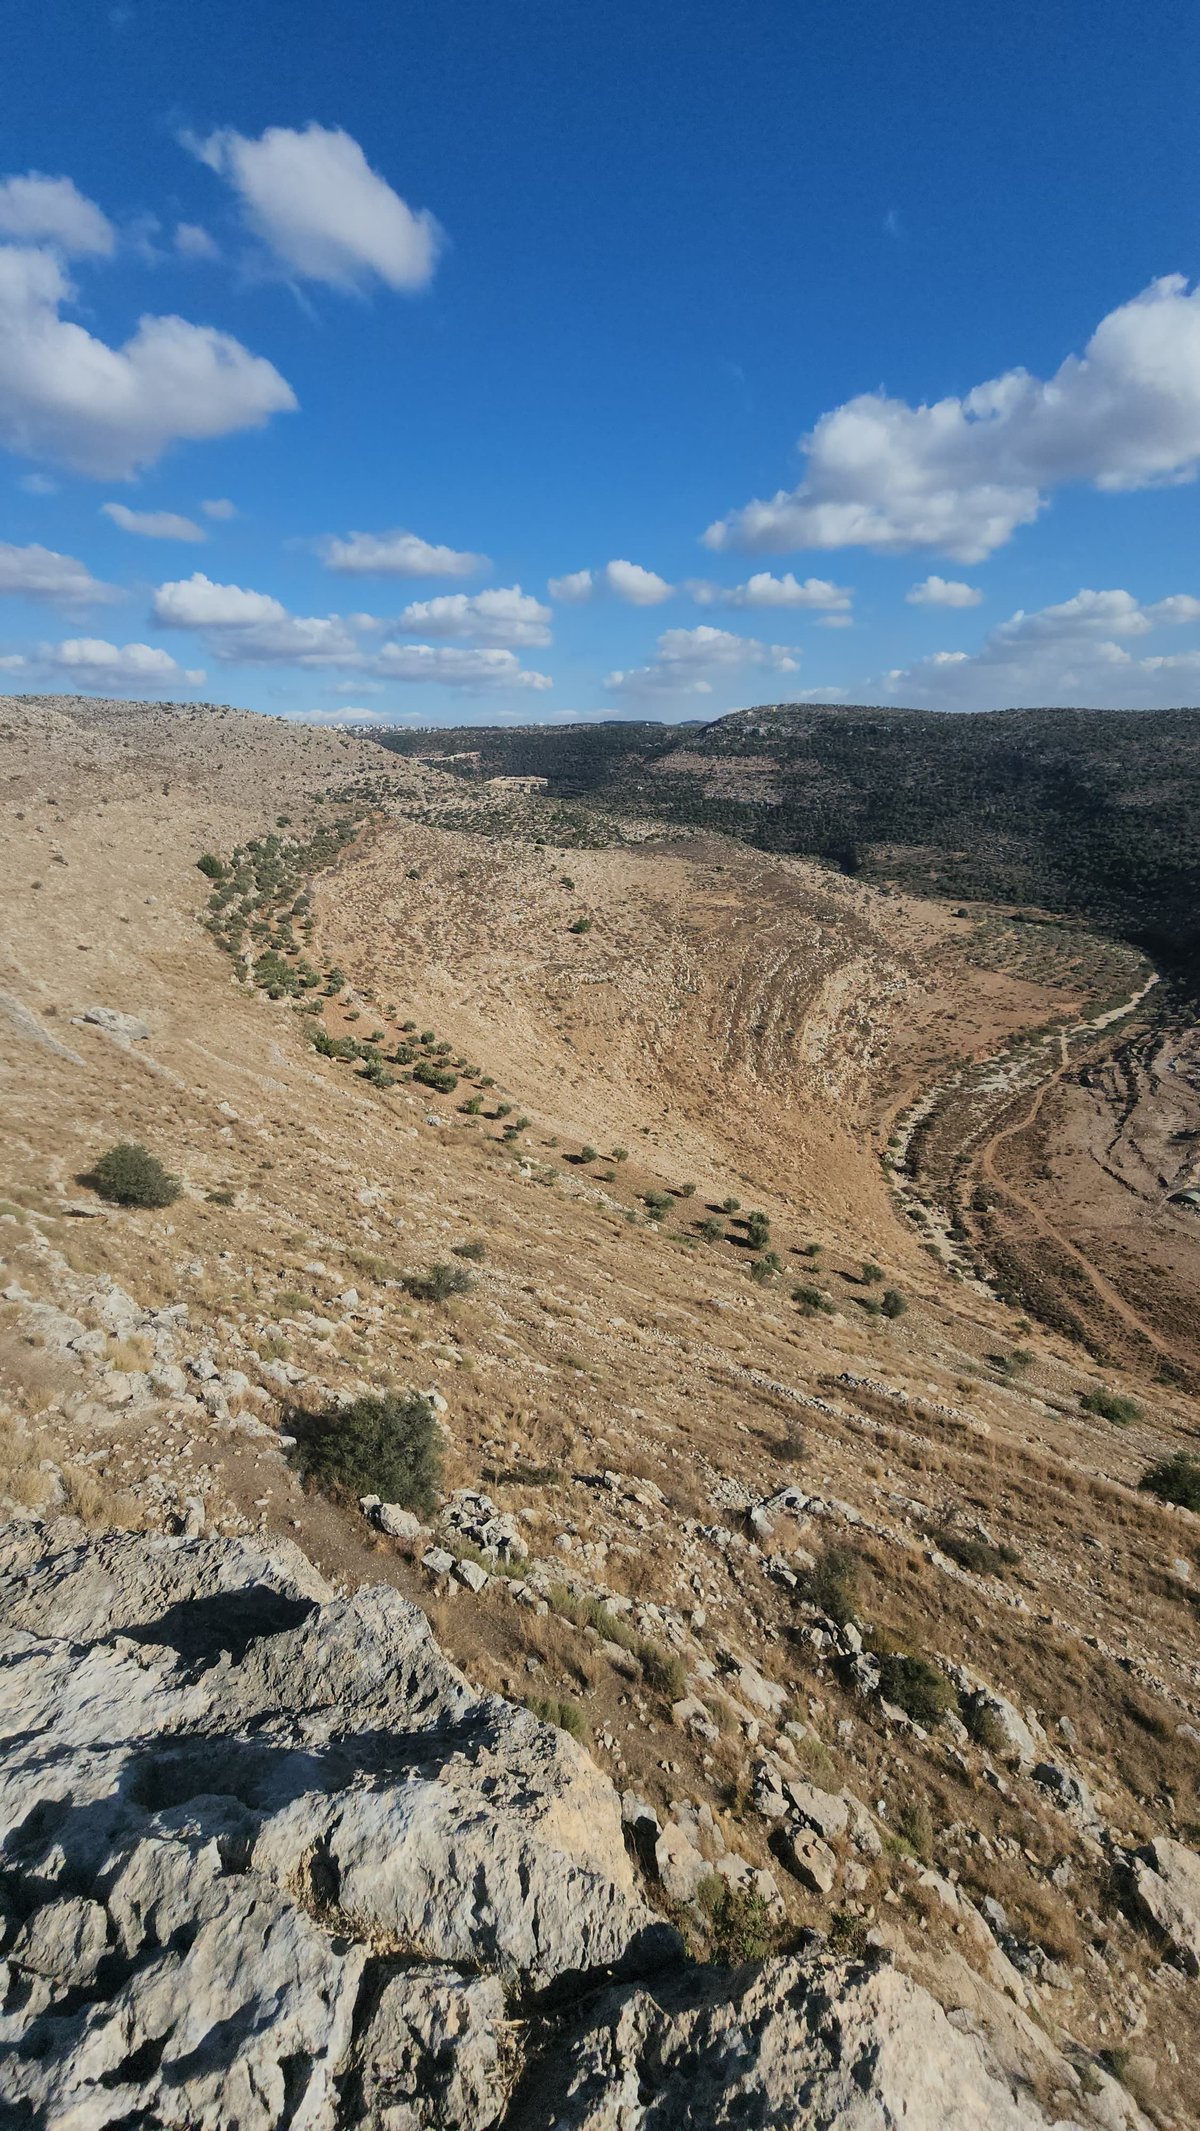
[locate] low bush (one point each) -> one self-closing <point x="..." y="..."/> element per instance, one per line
<point x="915" y="1686"/>
<point x="832" y="1583"/>
<point x="730" y="1205"/>
<point x="386" y="1445"/>
<point x="758" y="1231"/>
<point x="1111" y="1406"/>
<point x="663" y="1671"/>
<point x="811" y="1300"/>
<point x="712" y="1230"/>
<point x="212" y="866"/>
<point x="438" y="1282"/>
<point x="588" y="1154"/>
<point x="872" y="1273"/>
<point x="567" y="1715"/>
<point x="764" y="1269"/>
<point x="129" y="1175"/>
<point x="893" y="1303"/>
<point x="1175" y="1480"/>
<point x="434" y="1076"/>
<point x="657" y="1203"/>
<point x="739" y="1920"/>
<point x="474" y="1250"/>
<point x="582" y="925"/>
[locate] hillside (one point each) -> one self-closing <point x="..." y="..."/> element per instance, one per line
<point x="1093" y="812"/>
<point x="860" y="1614"/>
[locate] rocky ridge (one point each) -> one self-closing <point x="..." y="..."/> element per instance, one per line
<point x="269" y="1859"/>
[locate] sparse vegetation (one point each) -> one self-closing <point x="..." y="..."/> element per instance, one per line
<point x="1112" y="1406"/>
<point x="129" y="1175"/>
<point x="438" y="1077"/>
<point x="893" y="1303"/>
<point x="439" y="1282"/>
<point x="560" y="1711"/>
<point x="832" y="1583"/>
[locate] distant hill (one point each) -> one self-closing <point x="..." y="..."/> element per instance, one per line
<point x="1095" y="812"/>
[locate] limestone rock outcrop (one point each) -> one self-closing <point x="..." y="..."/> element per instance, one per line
<point x="267" y="1859"/>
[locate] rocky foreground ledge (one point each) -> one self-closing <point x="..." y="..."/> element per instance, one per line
<point x="268" y="1859"/>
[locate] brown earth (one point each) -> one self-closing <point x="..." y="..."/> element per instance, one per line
<point x="747" y="1025"/>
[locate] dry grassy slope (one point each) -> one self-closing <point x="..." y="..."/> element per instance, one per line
<point x="591" y="1342"/>
<point x="727" y="1015"/>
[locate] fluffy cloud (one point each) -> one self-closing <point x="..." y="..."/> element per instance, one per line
<point x="627" y="580"/>
<point x="153" y="525"/>
<point x="197" y="603"/>
<point x="240" y="626"/>
<point x="963" y="474"/>
<point x="315" y="202"/>
<point x="219" y="507"/>
<point x="39" y="210"/>
<point x="642" y="588"/>
<point x="1072" y="653"/>
<point x="66" y="396"/>
<point x="685" y="659"/>
<point x="449" y="667"/>
<point x="573" y="589"/>
<point x="396" y="554"/>
<point x="943" y="592"/>
<point x="42" y="573"/>
<point x="503" y="616"/>
<point x="92" y="663"/>
<point x="763" y="590"/>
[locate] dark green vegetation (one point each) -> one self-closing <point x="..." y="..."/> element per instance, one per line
<point x="387" y="1446"/>
<point x="130" y="1175"/>
<point x="1176" y="1480"/>
<point x="1090" y="812"/>
<point x="1111" y="1406"/>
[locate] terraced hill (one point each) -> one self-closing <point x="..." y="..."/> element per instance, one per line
<point x="603" y="1156"/>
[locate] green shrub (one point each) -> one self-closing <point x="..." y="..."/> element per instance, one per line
<point x="872" y="1273"/>
<point x="620" y="1154"/>
<point x="474" y="1250"/>
<point x="1175" y="1479"/>
<point x="914" y="1825"/>
<point x="687" y="1191"/>
<point x="739" y="1920"/>
<point x="810" y="1250"/>
<point x="582" y="925"/>
<point x="811" y="1300"/>
<point x="832" y="1583"/>
<point x="758" y="1231"/>
<point x="730" y="1205"/>
<point x="567" y="1715"/>
<point x="131" y="1176"/>
<point x="433" y="1076"/>
<point x="977" y="1554"/>
<point x="1111" y="1406"/>
<point x="212" y="866"/>
<point x="387" y="1445"/>
<point x="588" y="1154"/>
<point x="712" y="1230"/>
<point x="657" y="1203"/>
<point x="893" y="1303"/>
<point x="663" y="1670"/>
<point x="473" y="1107"/>
<point x="764" y="1269"/>
<point x="915" y="1686"/>
<point x="438" y="1282"/>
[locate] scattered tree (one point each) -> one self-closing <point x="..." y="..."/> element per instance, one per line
<point x="386" y="1445"/>
<point x="130" y="1175"/>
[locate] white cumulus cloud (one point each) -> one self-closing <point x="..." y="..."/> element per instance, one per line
<point x="943" y="592"/>
<point x="92" y="663"/>
<point x="105" y="412"/>
<point x="685" y="660"/>
<point x="315" y="202"/>
<point x="764" y="590"/>
<point x="40" y="210"/>
<point x="241" y="626"/>
<point x="642" y="588"/>
<point x="397" y="554"/>
<point x="219" y="507"/>
<point x="153" y="525"/>
<point x="42" y="573"/>
<point x="962" y="474"/>
<point x="573" y="589"/>
<point x="1075" y="652"/>
<point x="197" y="603"/>
<point x="449" y="666"/>
<point x="503" y="616"/>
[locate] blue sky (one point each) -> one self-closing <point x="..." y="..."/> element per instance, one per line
<point x="465" y="362"/>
